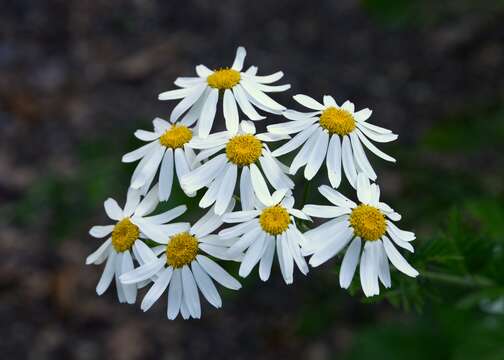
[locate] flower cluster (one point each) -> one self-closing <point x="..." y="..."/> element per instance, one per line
<point x="248" y="195"/>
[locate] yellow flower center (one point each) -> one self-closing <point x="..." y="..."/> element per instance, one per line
<point x="176" y="136"/>
<point x="124" y="235"/>
<point x="337" y="121"/>
<point x="243" y="149"/>
<point x="223" y="79"/>
<point x="274" y="219"/>
<point x="368" y="222"/>
<point x="181" y="249"/>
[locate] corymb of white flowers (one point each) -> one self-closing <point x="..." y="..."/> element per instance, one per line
<point x="144" y="248"/>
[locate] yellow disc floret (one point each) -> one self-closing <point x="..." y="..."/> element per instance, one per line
<point x="223" y="79"/>
<point x="176" y="136"/>
<point x="274" y="220"/>
<point x="124" y="235"/>
<point x="337" y="121"/>
<point x="368" y="222"/>
<point x="243" y="149"/>
<point x="181" y="249"/>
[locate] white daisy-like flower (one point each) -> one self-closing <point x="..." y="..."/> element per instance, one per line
<point x="200" y="95"/>
<point x="270" y="224"/>
<point x="236" y="153"/>
<point x="334" y="133"/>
<point x="127" y="234"/>
<point x="368" y="223"/>
<point x="179" y="266"/>
<point x="167" y="147"/>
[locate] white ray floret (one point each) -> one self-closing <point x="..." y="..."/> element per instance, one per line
<point x="166" y="149"/>
<point x="268" y="226"/>
<point x="245" y="90"/>
<point x="125" y="238"/>
<point x="242" y="156"/>
<point x="180" y="268"/>
<point x="333" y="134"/>
<point x="369" y="231"/>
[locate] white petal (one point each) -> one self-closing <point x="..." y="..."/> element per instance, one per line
<point x="376" y="129"/>
<point x="268" y="79"/>
<point x="360" y="157"/>
<point x="99" y="231"/>
<point x="348" y="106"/>
<point x="362" y="115"/>
<point x="146" y="135"/>
<point x="187" y="102"/>
<point x="108" y="274"/>
<point x="373" y="148"/>
<point x="112" y="209"/>
<point x="209" y="222"/>
<point x="381" y="138"/>
<point x="274" y="174"/>
<point x="363" y="189"/>
<point x="218" y="273"/>
<point x="206" y="285"/>
<point x="174" y="295"/>
<point x="230" y="112"/>
<point x="285" y="259"/>
<point x="253" y="255"/>
<point x="246" y="190"/>
<point x="298" y="115"/>
<point x="303" y="155"/>
<point x="149" y="168"/>
<point x="176" y="94"/>
<point x="248" y="127"/>
<point x="267" y="259"/>
<point x="203" y="175"/>
<point x="100" y="254"/>
<point x="329" y="101"/>
<point x="167" y="215"/>
<point x="332" y="248"/>
<point x="397" y="259"/>
<point x="237" y="230"/>
<point x="211" y="194"/>
<point x="291" y="127"/>
<point x="130" y="291"/>
<point x="317" y="155"/>
<point x="383" y="266"/>
<point x="240" y="216"/>
<point x="148" y="203"/>
<point x="245" y="241"/>
<point x="138" y="153"/>
<point x="325" y="211"/>
<point x="336" y="197"/>
<point x="187" y="81"/>
<point x="348" y="161"/>
<point x="160" y="125"/>
<point x="259" y="185"/>
<point x="239" y="58"/>
<point x="349" y="264"/>
<point x="259" y="96"/>
<point x="208" y="113"/>
<point x="244" y="103"/>
<point x="157" y="289"/>
<point x="226" y="189"/>
<point x="191" y="295"/>
<point x="401" y="234"/>
<point x="203" y="71"/>
<point x="143" y="272"/>
<point x="292" y="241"/>
<point x="309" y="102"/>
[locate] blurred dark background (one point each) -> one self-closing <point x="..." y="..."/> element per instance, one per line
<point x="78" y="77"/>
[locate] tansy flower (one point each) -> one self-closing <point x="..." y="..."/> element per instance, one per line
<point x="167" y="147"/>
<point x="200" y="95"/>
<point x="236" y="153"/>
<point x="332" y="133"/>
<point x="269" y="224"/>
<point x="179" y="266"/>
<point x="366" y="223"/>
<point x="132" y="225"/>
